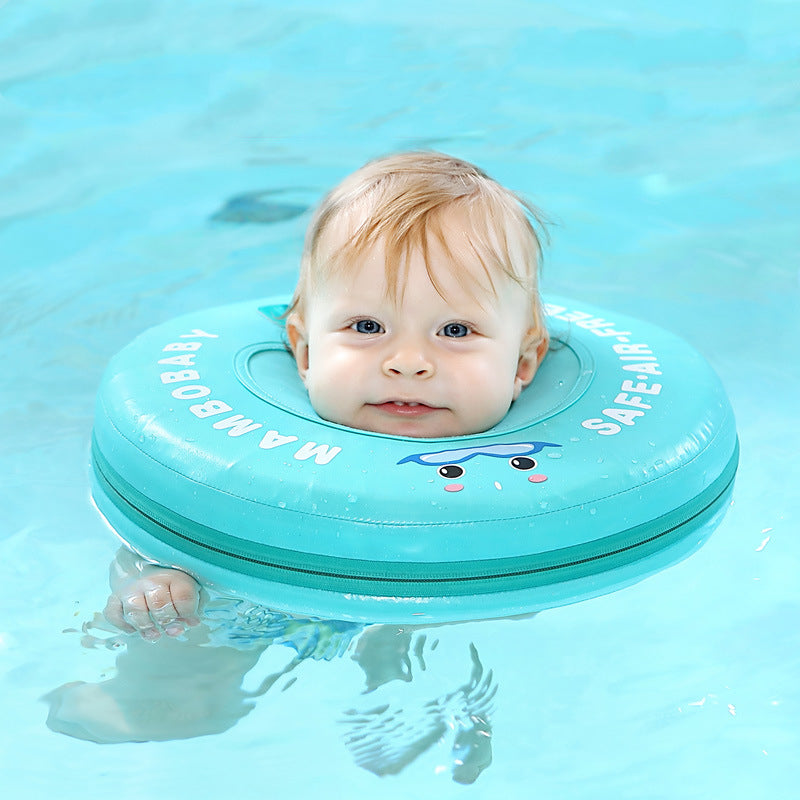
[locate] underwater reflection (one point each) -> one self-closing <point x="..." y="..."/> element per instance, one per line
<point x="258" y="207"/>
<point x="192" y="685"/>
<point x="386" y="738"/>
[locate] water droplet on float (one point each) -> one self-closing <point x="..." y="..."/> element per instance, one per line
<point x="554" y="455"/>
<point x="351" y="498"/>
<point x="281" y="504"/>
<point x="543" y="504"/>
<point x="574" y="438"/>
<point x="592" y="511"/>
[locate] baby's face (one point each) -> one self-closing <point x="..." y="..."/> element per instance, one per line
<point x="425" y="365"/>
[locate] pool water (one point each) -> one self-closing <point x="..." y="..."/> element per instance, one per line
<point x="159" y="157"/>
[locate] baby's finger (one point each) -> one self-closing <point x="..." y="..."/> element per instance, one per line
<point x="114" y="614"/>
<point x="185" y="599"/>
<point x="137" y="613"/>
<point x="159" y="603"/>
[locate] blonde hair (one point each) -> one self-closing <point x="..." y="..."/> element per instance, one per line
<point x="399" y="201"/>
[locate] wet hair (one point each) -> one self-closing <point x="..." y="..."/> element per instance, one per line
<point x="400" y="202"/>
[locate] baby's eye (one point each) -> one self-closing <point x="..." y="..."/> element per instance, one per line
<point x="367" y="326"/>
<point x="455" y="330"/>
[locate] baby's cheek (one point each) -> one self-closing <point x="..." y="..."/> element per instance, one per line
<point x="330" y="402"/>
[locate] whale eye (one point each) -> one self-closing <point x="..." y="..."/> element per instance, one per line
<point x="522" y="463"/>
<point x="451" y="471"/>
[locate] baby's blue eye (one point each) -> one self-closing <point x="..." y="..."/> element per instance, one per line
<point x="367" y="326"/>
<point x="455" y="330"/>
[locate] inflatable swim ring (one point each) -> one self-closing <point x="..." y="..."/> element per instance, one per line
<point x="207" y="456"/>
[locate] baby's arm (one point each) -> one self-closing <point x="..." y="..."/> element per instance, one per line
<point x="151" y="599"/>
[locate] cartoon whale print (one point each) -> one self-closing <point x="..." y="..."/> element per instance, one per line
<point x="448" y="462"/>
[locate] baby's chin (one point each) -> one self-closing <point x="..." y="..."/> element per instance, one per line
<point x="413" y="431"/>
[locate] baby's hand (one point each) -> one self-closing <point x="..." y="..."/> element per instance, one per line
<point x="152" y="600"/>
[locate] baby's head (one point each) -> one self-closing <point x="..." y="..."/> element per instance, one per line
<point x="417" y="311"/>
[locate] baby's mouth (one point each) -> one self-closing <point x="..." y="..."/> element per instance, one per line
<point x="405" y="408"/>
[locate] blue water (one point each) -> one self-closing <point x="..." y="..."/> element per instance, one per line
<point x="156" y="157"/>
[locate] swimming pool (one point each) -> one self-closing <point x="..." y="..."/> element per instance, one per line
<point x="157" y="158"/>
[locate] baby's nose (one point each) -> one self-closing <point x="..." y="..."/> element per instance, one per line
<point x="408" y="362"/>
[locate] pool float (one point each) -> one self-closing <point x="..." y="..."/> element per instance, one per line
<point x="617" y="461"/>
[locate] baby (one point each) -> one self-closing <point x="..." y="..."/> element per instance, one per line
<point x="417" y="313"/>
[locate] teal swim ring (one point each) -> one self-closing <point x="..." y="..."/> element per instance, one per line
<point x="617" y="461"/>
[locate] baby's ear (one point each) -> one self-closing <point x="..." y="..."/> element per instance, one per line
<point x="298" y="342"/>
<point x="533" y="349"/>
